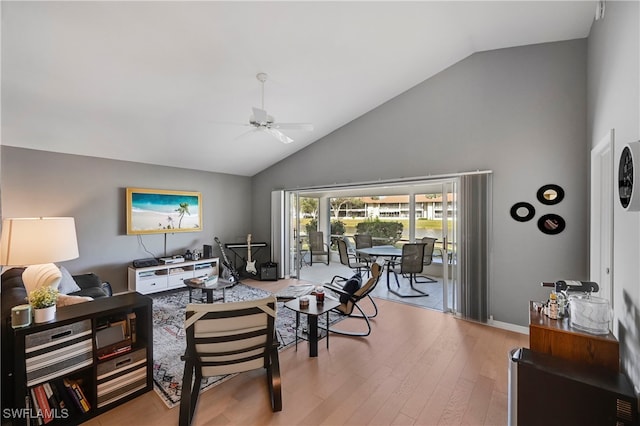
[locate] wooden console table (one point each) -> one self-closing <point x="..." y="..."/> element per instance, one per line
<point x="558" y="338"/>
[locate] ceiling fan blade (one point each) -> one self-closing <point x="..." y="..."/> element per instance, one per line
<point x="308" y="127"/>
<point x="230" y="123"/>
<point x="243" y="134"/>
<point x="278" y="135"/>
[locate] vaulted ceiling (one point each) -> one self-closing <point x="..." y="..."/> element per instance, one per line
<point x="173" y="83"/>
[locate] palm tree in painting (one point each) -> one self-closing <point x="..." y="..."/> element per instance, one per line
<point x="184" y="208"/>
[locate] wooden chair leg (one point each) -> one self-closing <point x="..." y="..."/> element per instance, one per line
<point x="195" y="392"/>
<point x="187" y="399"/>
<point x="274" y="381"/>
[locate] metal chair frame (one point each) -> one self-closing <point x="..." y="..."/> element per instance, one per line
<point x="429" y="243"/>
<point x="354" y="299"/>
<point x="346" y="258"/>
<point x="410" y="265"/>
<point x="317" y="246"/>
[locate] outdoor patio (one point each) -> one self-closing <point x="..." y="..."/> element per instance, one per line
<point x="320" y="272"/>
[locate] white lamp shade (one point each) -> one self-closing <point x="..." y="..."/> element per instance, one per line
<point x="34" y="241"/>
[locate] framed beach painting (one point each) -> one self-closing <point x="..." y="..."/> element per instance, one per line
<point x="155" y="211"/>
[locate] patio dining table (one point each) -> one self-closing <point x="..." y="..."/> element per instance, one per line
<point x="390" y="253"/>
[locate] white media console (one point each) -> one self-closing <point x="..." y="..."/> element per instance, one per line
<point x="153" y="279"/>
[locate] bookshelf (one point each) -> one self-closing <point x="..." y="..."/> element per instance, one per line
<point x="59" y="377"/>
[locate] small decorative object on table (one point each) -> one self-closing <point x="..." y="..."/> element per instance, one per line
<point x="43" y="300"/>
<point x="319" y="295"/>
<point x="304" y="302"/>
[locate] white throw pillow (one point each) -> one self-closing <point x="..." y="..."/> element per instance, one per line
<point x="65" y="300"/>
<point x="67" y="283"/>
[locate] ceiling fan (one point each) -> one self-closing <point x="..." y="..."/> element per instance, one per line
<point x="261" y="121"/>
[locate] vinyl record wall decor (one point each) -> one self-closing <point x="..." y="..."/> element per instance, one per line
<point x="628" y="171"/>
<point x="548" y="195"/>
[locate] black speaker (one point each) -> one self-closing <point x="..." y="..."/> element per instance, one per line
<point x="207" y="251"/>
<point x="269" y="271"/>
<point x="144" y="263"/>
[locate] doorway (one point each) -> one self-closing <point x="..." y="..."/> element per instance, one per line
<point x="601" y="233"/>
<point x="466" y="210"/>
<point x="400" y="213"/>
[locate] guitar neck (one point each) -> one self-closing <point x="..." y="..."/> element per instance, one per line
<point x="224" y="254"/>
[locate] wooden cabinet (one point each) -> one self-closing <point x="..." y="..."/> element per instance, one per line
<point x="558" y="338"/>
<point x="153" y="279"/>
<point x="58" y="361"/>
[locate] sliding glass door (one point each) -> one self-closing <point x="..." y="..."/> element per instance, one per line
<point x="435" y="210"/>
<point x="398" y="213"/>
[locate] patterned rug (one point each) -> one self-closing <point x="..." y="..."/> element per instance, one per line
<point x="169" y="340"/>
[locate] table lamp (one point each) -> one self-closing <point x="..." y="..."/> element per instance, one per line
<point x="37" y="243"/>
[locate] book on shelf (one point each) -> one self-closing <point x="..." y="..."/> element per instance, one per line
<point x="78" y="396"/>
<point x="43" y="403"/>
<point x="132" y="327"/>
<point x="113" y="350"/>
<point x="54" y="405"/>
<point x="37" y="420"/>
<point x="113" y="340"/>
<point x="58" y="396"/>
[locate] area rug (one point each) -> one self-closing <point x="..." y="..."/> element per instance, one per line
<point x="169" y="340"/>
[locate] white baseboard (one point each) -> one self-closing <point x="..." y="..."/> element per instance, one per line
<point x="510" y="327"/>
<point x="502" y="325"/>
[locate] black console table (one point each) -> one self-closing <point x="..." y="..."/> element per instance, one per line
<point x="64" y="352"/>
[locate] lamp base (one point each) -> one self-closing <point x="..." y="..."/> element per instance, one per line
<point x="45" y="275"/>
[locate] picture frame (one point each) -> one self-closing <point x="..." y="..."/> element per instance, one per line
<point x="156" y="211"/>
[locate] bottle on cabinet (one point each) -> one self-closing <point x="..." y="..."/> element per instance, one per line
<point x="573" y="285"/>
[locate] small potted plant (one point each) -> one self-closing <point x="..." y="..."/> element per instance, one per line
<point x="43" y="301"/>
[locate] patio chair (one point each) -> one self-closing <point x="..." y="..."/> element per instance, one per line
<point x="353" y="300"/>
<point x="429" y="245"/>
<point x="410" y="265"/>
<point x="228" y="338"/>
<point x="317" y="246"/>
<point x="363" y="241"/>
<point x="349" y="259"/>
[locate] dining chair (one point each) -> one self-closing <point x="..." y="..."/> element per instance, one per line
<point x="349" y="259"/>
<point x="363" y="241"/>
<point x="429" y="245"/>
<point x="317" y="246"/>
<point x="411" y="263"/>
<point x="228" y="338"/>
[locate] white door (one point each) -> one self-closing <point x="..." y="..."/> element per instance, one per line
<point x="601" y="246"/>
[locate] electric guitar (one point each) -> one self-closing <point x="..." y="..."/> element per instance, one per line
<point x="228" y="271"/>
<point x="251" y="264"/>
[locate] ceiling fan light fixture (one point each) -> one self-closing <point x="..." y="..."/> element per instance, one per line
<point x="261" y="121"/>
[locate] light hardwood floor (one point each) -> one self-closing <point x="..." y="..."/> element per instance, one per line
<point x="418" y="367"/>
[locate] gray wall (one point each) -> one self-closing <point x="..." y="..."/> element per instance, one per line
<point x="520" y="112"/>
<point x="614" y="103"/>
<point x="39" y="183"/>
